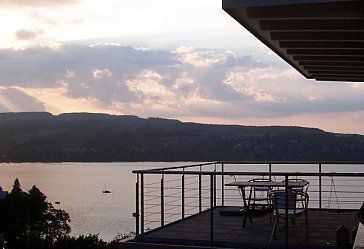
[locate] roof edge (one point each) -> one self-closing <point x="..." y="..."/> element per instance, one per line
<point x="233" y="4"/>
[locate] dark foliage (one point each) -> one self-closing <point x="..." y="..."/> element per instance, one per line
<point x="43" y="137"/>
<point x="28" y="221"/>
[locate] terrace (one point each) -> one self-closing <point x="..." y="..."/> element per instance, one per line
<point x="193" y="206"/>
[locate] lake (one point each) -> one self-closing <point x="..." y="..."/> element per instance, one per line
<point x="78" y="187"/>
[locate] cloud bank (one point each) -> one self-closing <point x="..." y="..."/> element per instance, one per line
<point x="36" y="3"/>
<point x="178" y="83"/>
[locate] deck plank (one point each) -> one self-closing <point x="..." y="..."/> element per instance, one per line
<point x="228" y="230"/>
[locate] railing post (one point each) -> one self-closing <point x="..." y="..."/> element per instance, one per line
<point x="142" y="204"/>
<point x="270" y="171"/>
<point x="222" y="186"/>
<point x="320" y="186"/>
<point x="183" y="196"/>
<point x="211" y="210"/>
<point x="286" y="211"/>
<point x="162" y="200"/>
<point x="215" y="186"/>
<point x="199" y="192"/>
<point x="137" y="206"/>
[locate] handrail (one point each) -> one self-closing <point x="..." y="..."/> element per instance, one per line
<point x="183" y="166"/>
<point x="290" y="162"/>
<point x="247" y="173"/>
<point x="251" y="163"/>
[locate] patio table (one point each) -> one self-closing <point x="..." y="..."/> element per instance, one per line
<point x="272" y="184"/>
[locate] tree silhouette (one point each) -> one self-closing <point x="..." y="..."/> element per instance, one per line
<point x="16" y="187"/>
<point x="29" y="221"/>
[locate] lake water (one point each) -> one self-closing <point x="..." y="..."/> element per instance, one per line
<point x="78" y="187"/>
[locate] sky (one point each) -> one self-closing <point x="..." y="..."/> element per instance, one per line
<point x="185" y="60"/>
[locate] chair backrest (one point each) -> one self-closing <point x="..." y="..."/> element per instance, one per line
<point x="261" y="180"/>
<point x="279" y="201"/>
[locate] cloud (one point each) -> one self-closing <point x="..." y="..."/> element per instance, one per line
<point x="37" y="15"/>
<point x="201" y="58"/>
<point x="183" y="82"/>
<point x="25" y="34"/>
<point x="35" y="3"/>
<point x="45" y="67"/>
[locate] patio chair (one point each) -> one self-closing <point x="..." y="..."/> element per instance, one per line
<point x="300" y="198"/>
<point x="258" y="196"/>
<point x="279" y="208"/>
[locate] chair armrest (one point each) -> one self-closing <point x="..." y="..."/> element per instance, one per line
<point x="303" y="196"/>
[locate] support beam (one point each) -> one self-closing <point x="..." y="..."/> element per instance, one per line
<point x="328" y="58"/>
<point x="312" y="25"/>
<point x="322" y="44"/>
<point x="336" y="68"/>
<point x="332" y="63"/>
<point x="332" y="10"/>
<point x="332" y="72"/>
<point x="318" y="36"/>
<point x="342" y="80"/>
<point x="327" y="52"/>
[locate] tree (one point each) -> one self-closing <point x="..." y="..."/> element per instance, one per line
<point x="29" y="221"/>
<point x="16" y="187"/>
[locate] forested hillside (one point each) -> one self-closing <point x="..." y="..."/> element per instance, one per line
<point x="85" y="137"/>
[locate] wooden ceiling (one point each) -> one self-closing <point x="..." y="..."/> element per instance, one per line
<point x="322" y="39"/>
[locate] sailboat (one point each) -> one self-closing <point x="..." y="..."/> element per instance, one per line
<point x="105" y="191"/>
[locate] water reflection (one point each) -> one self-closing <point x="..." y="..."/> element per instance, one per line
<point x="78" y="189"/>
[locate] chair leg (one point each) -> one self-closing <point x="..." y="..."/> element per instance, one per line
<point x="273" y="234"/>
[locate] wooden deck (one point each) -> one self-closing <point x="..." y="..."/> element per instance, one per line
<point x="229" y="233"/>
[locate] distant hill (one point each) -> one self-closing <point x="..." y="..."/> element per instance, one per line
<point x="86" y="137"/>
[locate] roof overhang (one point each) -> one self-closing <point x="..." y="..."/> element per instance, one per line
<point x="322" y="39"/>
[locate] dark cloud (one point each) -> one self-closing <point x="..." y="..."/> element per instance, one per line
<point x="25" y="34"/>
<point x="105" y="89"/>
<point x="210" y="82"/>
<point x="45" y="67"/>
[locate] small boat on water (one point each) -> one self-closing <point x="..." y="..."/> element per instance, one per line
<point x="105" y="191"/>
<point x="57" y="202"/>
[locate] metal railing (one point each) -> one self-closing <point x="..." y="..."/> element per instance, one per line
<point x="166" y="195"/>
